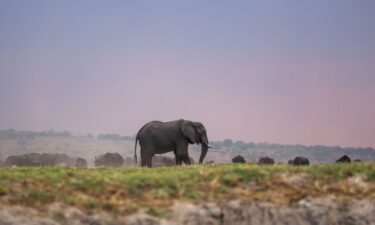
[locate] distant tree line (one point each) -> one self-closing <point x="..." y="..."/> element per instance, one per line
<point x="240" y="145"/>
<point x="13" y="134"/>
<point x="114" y="137"/>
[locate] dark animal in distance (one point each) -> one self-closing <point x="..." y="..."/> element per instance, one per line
<point x="81" y="163"/>
<point x="37" y="159"/>
<point x="109" y="160"/>
<point x="300" y="161"/>
<point x="266" y="160"/>
<point x="357" y="160"/>
<point x="157" y="137"/>
<point x="238" y="159"/>
<point x="344" y="159"/>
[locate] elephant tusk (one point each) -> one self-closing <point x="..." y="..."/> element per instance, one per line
<point x="211" y="146"/>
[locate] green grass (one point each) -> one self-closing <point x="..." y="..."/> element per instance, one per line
<point x="128" y="189"/>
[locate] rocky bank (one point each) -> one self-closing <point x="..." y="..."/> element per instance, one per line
<point x="327" y="210"/>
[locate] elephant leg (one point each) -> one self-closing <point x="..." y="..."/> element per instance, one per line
<point x="143" y="162"/>
<point x="149" y="162"/>
<point x="182" y="154"/>
<point x="178" y="160"/>
<point x="187" y="160"/>
<point x="146" y="158"/>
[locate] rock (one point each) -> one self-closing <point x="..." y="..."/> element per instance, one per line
<point x="189" y="214"/>
<point x="358" y="183"/>
<point x="326" y="210"/>
<point x="144" y="219"/>
<point x="68" y="215"/>
<point x="17" y="215"/>
<point x="214" y="210"/>
<point x="297" y="180"/>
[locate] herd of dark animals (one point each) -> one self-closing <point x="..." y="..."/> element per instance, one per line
<point x="297" y="161"/>
<point x="116" y="160"/>
<point x="59" y="159"/>
<point x="45" y="159"/>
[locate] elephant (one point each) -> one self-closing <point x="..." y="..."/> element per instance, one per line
<point x="300" y="161"/>
<point x="37" y="159"/>
<point x="109" y="160"/>
<point x="238" y="159"/>
<point x="266" y="160"/>
<point x="344" y="159"/>
<point x="31" y="159"/>
<point x="158" y="137"/>
<point x="50" y="159"/>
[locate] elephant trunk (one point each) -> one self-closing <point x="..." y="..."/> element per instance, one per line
<point x="203" y="153"/>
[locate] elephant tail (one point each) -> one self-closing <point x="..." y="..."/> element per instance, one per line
<point x="135" y="150"/>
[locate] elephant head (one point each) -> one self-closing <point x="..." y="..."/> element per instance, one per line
<point x="196" y="134"/>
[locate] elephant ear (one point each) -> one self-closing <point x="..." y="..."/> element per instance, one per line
<point x="188" y="130"/>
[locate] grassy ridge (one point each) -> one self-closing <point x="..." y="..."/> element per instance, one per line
<point x="124" y="190"/>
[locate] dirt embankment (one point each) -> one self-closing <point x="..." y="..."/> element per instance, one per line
<point x="327" y="210"/>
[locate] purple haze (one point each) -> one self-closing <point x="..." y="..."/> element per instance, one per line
<point x="297" y="72"/>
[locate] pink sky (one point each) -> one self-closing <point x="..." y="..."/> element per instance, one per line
<point x="291" y="73"/>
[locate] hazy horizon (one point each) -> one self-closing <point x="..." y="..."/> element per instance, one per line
<point x="124" y="137"/>
<point x="291" y="72"/>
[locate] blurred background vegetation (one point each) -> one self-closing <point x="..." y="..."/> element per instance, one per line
<point x="13" y="142"/>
